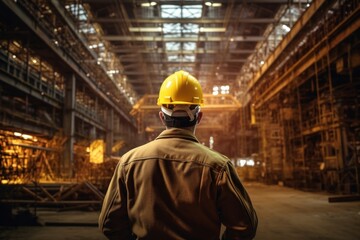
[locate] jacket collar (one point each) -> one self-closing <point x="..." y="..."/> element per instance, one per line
<point x="177" y="133"/>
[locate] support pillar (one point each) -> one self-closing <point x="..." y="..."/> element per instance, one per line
<point x="67" y="170"/>
<point x="109" y="132"/>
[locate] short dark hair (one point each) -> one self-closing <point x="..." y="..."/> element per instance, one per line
<point x="179" y="122"/>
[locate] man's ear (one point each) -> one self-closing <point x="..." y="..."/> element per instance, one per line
<point x="162" y="117"/>
<point x="200" y="114"/>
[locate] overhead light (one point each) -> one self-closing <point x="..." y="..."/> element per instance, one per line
<point x="148" y="4"/>
<point x="212" y="29"/>
<point x="224" y="89"/>
<point x="285" y="28"/>
<point x="26" y="136"/>
<point x="96" y="45"/>
<point x="250" y="162"/>
<point x="215" y="90"/>
<point x="212" y="4"/>
<point x="145" y="29"/>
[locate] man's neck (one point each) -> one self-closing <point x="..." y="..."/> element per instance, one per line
<point x="191" y="129"/>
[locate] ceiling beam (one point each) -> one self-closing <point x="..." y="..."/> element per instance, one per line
<point x="182" y="39"/>
<point x="196" y="2"/>
<point x="179" y="62"/>
<point x="197" y="51"/>
<point x="182" y="20"/>
<point x="137" y="73"/>
<point x="182" y="62"/>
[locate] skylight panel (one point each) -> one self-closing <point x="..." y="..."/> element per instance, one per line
<point x="170" y="11"/>
<point x="172" y="58"/>
<point x="87" y="29"/>
<point x="172" y="46"/>
<point x="188" y="69"/>
<point x="77" y="11"/>
<point x="185" y="11"/>
<point x="189" y="46"/>
<point x="172" y="28"/>
<point x="191" y="28"/>
<point x="192" y="11"/>
<point x="189" y="58"/>
<point x="180" y="30"/>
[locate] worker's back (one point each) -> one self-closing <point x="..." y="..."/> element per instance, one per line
<point x="172" y="188"/>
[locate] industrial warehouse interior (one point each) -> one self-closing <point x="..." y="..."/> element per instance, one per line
<point x="79" y="82"/>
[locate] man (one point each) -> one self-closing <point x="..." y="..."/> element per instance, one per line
<point x="174" y="187"/>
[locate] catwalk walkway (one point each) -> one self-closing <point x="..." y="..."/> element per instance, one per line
<point x="284" y="214"/>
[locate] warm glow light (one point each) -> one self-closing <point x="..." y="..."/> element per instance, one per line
<point x="242" y="162"/>
<point x="250" y="162"/>
<point x="215" y="90"/>
<point x="145" y="29"/>
<point x="25" y="136"/>
<point x="17" y="134"/>
<point x="96" y="151"/>
<point x="224" y="89"/>
<point x="211" y="4"/>
<point x="213" y="29"/>
<point x="148" y="4"/>
<point x="211" y="142"/>
<point x="285" y="28"/>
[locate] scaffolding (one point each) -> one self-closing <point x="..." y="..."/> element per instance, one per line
<point x="307" y="105"/>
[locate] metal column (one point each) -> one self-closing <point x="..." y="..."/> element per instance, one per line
<point x="109" y="132"/>
<point x="69" y="127"/>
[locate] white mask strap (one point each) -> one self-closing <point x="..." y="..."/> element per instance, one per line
<point x="181" y="111"/>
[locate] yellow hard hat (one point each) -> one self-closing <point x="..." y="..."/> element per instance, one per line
<point x="180" y="88"/>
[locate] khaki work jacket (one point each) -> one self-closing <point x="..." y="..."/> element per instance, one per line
<point x="176" y="188"/>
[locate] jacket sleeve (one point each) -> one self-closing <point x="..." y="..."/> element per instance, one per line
<point x="113" y="219"/>
<point x="236" y="211"/>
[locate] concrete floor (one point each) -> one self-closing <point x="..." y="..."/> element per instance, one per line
<point x="284" y="214"/>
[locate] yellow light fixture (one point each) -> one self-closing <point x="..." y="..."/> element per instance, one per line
<point x="145" y="29"/>
<point x="212" y="4"/>
<point x="212" y="29"/>
<point x="148" y="4"/>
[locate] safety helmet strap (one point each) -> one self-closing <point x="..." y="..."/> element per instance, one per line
<point x="181" y="111"/>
